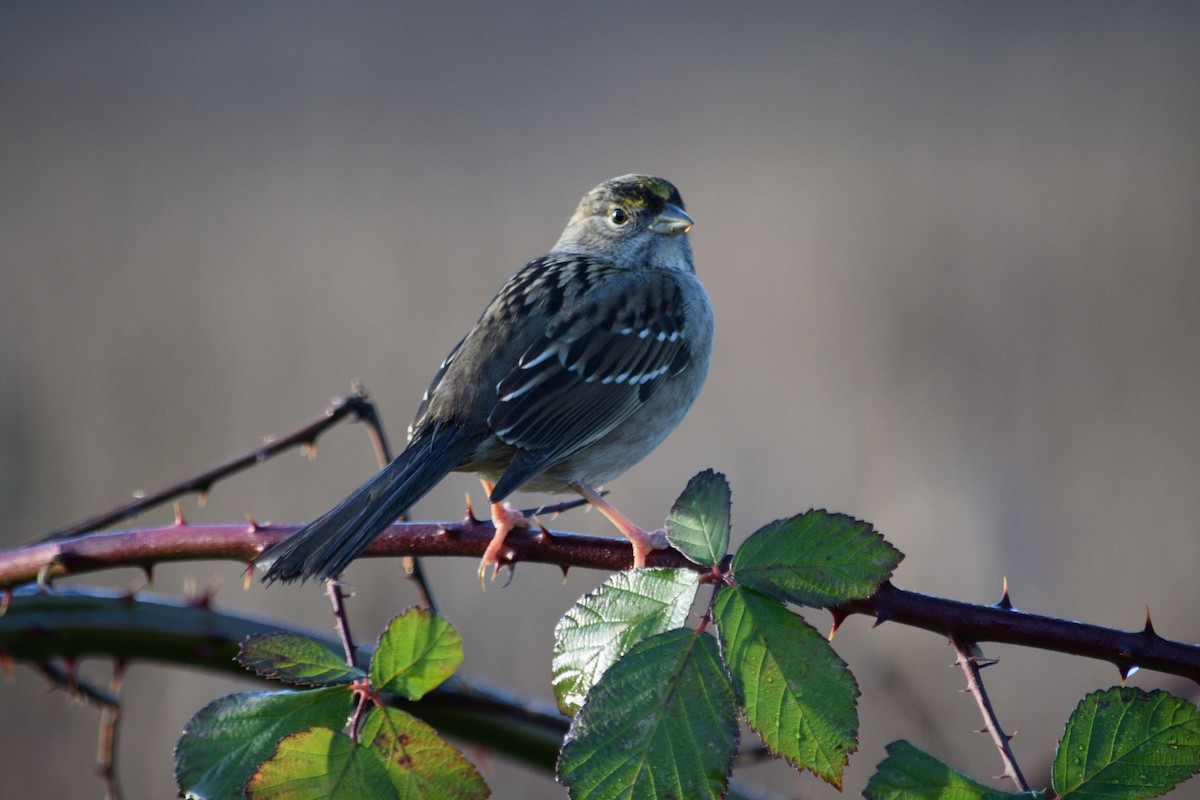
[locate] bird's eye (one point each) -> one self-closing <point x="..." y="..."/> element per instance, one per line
<point x="618" y="216"/>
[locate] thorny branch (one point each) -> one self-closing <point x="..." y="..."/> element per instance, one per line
<point x="109" y="703"/>
<point x="334" y="589"/>
<point x="971" y="663"/>
<point x="966" y="621"/>
<point x="355" y="405"/>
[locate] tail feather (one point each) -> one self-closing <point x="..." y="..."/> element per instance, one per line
<point x="327" y="545"/>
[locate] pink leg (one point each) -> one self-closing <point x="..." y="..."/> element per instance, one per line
<point x="504" y="518"/>
<point x="643" y="541"/>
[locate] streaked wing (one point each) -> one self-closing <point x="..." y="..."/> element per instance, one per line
<point x="584" y="376"/>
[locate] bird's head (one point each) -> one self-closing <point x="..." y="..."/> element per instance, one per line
<point x="634" y="221"/>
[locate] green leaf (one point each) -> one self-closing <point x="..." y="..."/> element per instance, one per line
<point x="661" y="723"/>
<point x="320" y="764"/>
<point x="416" y="653"/>
<point x="912" y="774"/>
<point x="225" y="741"/>
<point x="420" y="764"/>
<point x="815" y="559"/>
<point x="398" y="756"/>
<point x="797" y="693"/>
<point x="698" y="525"/>
<point x="1124" y="743"/>
<point x="604" y="624"/>
<point x="297" y="659"/>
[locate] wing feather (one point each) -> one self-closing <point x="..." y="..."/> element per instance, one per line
<point x="581" y="379"/>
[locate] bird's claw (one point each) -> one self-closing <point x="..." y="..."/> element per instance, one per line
<point x="504" y="518"/>
<point x="646" y="542"/>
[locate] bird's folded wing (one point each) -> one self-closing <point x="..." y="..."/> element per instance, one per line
<point x="587" y="374"/>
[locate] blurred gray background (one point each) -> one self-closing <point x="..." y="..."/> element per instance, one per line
<point x="952" y="250"/>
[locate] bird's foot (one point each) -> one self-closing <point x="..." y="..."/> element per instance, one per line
<point x="504" y="518"/>
<point x="645" y="542"/>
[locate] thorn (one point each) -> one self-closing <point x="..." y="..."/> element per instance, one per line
<point x="248" y="576"/>
<point x="981" y="730"/>
<point x="838" y="618"/>
<point x="1127" y="671"/>
<point x="43" y="576"/>
<point x="202" y="497"/>
<point x="984" y="663"/>
<point x="197" y="598"/>
<point x="880" y="618"/>
<point x="544" y="533"/>
<point x="973" y="651"/>
<point x="1010" y="736"/>
<point x="71" y="669"/>
<point x="471" y="518"/>
<point x="447" y="531"/>
<point x="253" y="523"/>
<point x="565" y="569"/>
<point x="148" y="569"/>
<point x="1148" y="630"/>
<point x="1005" y="601"/>
<point x="309" y="449"/>
<point x="179" y="520"/>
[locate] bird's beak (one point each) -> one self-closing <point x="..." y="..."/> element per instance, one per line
<point x="672" y="221"/>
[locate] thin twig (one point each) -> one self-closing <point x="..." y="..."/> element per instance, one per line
<point x="68" y="681"/>
<point x="334" y="589"/>
<point x="110" y="712"/>
<point x="362" y="688"/>
<point x="356" y="405"/>
<point x="106" y="751"/>
<point x="369" y="415"/>
<point x="554" y="509"/>
<point x="971" y="665"/>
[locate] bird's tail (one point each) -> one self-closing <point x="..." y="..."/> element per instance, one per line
<point x="324" y="547"/>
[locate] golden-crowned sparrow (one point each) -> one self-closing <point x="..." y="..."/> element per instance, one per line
<point x="583" y="362"/>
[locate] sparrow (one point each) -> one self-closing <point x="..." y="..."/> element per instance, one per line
<point x="583" y="362"/>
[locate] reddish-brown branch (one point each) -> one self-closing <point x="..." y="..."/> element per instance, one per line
<point x="974" y="623"/>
